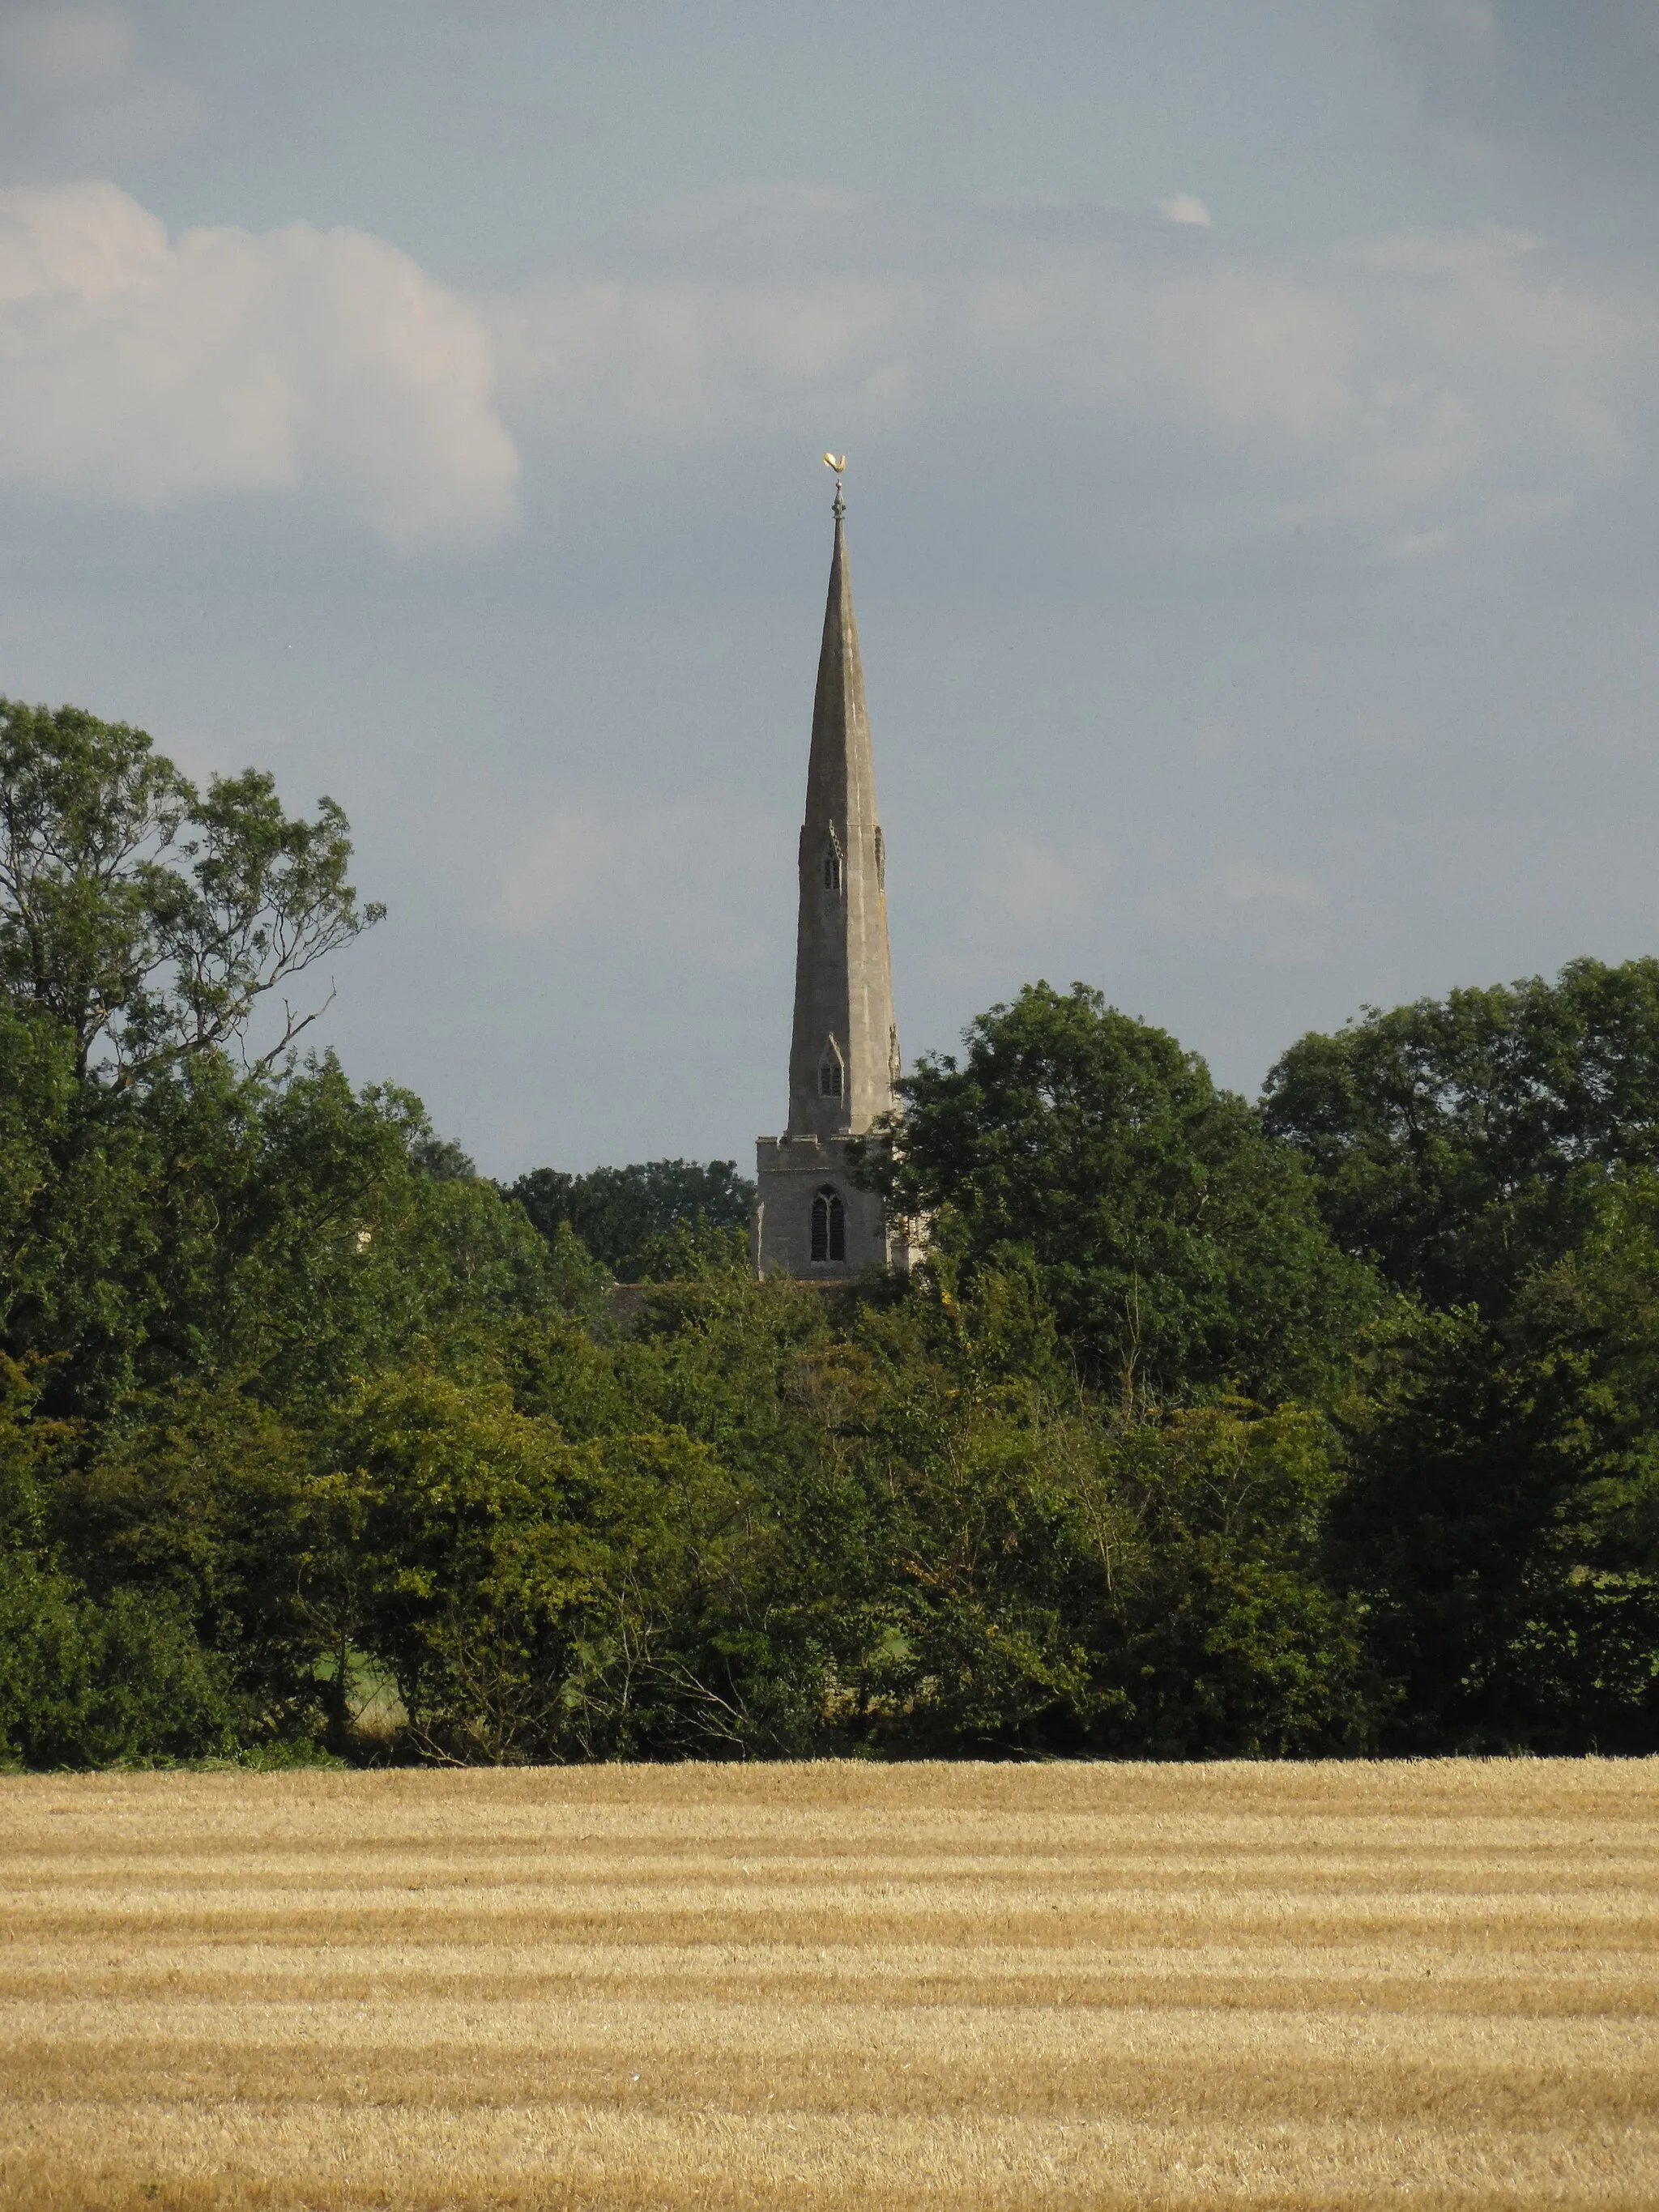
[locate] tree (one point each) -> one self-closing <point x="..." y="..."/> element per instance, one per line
<point x="81" y="1683"/>
<point x="1502" y="1519"/>
<point x="147" y="919"/>
<point x="618" y="1212"/>
<point x="1177" y="1243"/>
<point x="1457" y="1143"/>
<point x="536" y="1598"/>
<point x="1027" y="1571"/>
<point x="85" y="1684"/>
<point x="1228" y="1635"/>
<point x="289" y="1234"/>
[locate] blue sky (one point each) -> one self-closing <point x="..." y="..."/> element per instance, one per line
<point x="1251" y="415"/>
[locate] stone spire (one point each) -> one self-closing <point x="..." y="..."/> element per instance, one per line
<point x="843" y="1055"/>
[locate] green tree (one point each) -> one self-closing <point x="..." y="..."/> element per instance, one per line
<point x="195" y="1502"/>
<point x="968" y="1464"/>
<point x="621" y="1213"/>
<point x="84" y="1683"/>
<point x="288" y="1231"/>
<point x="146" y="918"/>
<point x="1501" y="1520"/>
<point x="89" y="1684"/>
<point x="537" y="1598"/>
<point x="1178" y="1243"/>
<point x="1230" y="1635"/>
<point x="1046" y="1575"/>
<point x="1457" y="1143"/>
<point x="143" y="926"/>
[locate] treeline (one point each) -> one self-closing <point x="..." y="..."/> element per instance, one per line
<point x="630" y="1218"/>
<point x="1327" y="1424"/>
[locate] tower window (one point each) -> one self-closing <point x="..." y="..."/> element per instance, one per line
<point x="829" y="1224"/>
<point x="832" y="865"/>
<point x="829" y="1080"/>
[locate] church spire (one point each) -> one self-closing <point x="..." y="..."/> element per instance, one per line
<point x="843" y="1054"/>
<point x="842" y="1058"/>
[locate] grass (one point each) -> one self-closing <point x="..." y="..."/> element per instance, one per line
<point x="842" y="1986"/>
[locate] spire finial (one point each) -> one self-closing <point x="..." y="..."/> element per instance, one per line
<point x="830" y="462"/>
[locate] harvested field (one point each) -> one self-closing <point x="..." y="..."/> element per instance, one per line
<point x="834" y="1986"/>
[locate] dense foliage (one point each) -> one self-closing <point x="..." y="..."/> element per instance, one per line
<point x="1206" y="1430"/>
<point x="623" y="1215"/>
<point x="1179" y="1246"/>
<point x="1460" y="1144"/>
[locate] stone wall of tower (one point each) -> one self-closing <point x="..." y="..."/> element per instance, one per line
<point x="844" y="1053"/>
<point x="792" y="1175"/>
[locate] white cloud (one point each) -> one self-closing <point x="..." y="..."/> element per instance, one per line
<point x="670" y="358"/>
<point x="1417" y="387"/>
<point x="1417" y="544"/>
<point x="142" y="369"/>
<point x="1185" y="208"/>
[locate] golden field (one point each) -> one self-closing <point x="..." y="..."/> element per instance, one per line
<point x="812" y="1986"/>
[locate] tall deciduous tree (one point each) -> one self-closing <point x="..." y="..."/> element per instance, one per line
<point x="148" y="919"/>
<point x="1457" y="1142"/>
<point x="1177" y="1241"/>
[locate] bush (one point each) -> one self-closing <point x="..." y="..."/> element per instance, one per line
<point x="89" y="1685"/>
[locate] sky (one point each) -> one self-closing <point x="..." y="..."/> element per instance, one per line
<point x="1250" y="410"/>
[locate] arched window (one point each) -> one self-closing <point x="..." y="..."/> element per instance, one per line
<point x="832" y="865"/>
<point x="829" y="1078"/>
<point x="829" y="1224"/>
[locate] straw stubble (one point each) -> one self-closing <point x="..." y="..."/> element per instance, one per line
<point x="834" y="1986"/>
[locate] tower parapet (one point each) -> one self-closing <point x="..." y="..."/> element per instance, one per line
<point x="810" y="1218"/>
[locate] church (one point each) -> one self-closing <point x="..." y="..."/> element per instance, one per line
<point x="811" y="1218"/>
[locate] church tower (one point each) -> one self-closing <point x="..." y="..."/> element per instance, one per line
<point x="811" y="1220"/>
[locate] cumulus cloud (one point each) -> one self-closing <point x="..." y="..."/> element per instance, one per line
<point x="1185" y="207"/>
<point x="139" y="368"/>
<point x="1415" y="387"/>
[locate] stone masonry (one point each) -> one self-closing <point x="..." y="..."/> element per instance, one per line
<point x="809" y="1218"/>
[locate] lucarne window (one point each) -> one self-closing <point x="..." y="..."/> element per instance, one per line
<point x="829" y="1224"/>
<point x="832" y="865"/>
<point x="829" y="1080"/>
<point x="881" y="860"/>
